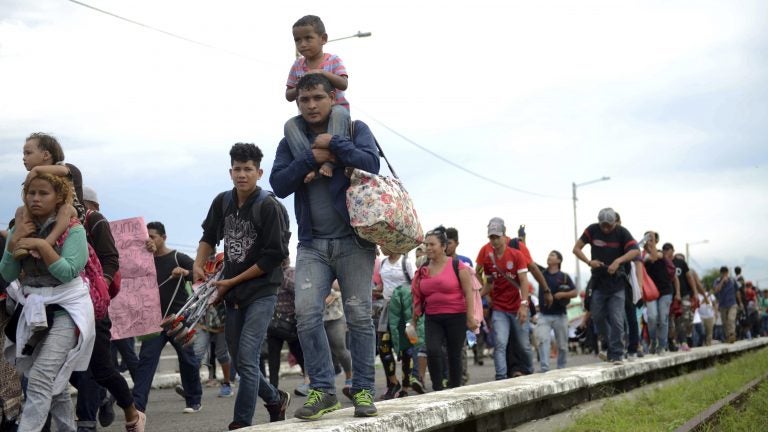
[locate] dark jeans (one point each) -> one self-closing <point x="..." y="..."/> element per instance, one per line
<point x="127" y="349"/>
<point x="450" y="329"/>
<point x="274" y="346"/>
<point x="632" y="326"/>
<point x="608" y="312"/>
<point x="149" y="357"/>
<point x="101" y="372"/>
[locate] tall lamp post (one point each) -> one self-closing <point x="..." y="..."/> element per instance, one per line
<point x="574" y="186"/>
<point x="688" y="248"/>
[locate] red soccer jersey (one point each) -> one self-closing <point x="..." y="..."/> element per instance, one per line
<point x="512" y="264"/>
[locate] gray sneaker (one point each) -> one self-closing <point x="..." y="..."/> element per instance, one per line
<point x="317" y="404"/>
<point x="363" y="402"/>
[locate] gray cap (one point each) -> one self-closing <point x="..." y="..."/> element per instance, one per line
<point x="90" y="195"/>
<point x="496" y="227"/>
<point x="607" y="215"/>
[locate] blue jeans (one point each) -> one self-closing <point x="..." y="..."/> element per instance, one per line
<point x="609" y="314"/>
<point x="149" y="357"/>
<point x="544" y="328"/>
<point x="658" y="322"/>
<point x="245" y="331"/>
<point x="317" y="265"/>
<point x="509" y="332"/>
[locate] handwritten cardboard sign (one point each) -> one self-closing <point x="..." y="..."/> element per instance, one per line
<point x="136" y="309"/>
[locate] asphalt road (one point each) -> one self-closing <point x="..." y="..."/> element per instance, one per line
<point x="164" y="411"/>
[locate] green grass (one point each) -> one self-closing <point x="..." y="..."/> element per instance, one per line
<point x="749" y="417"/>
<point x="669" y="407"/>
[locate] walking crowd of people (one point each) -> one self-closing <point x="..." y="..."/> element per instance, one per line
<point x="341" y="305"/>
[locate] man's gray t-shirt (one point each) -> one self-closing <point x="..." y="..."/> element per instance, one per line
<point x="327" y="223"/>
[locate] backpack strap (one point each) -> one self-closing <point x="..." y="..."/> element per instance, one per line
<point x="405" y="269"/>
<point x="455" y="264"/>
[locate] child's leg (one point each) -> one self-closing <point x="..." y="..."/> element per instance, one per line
<point x="65" y="213"/>
<point x="294" y="135"/>
<point x="339" y="122"/>
<point x="21" y="217"/>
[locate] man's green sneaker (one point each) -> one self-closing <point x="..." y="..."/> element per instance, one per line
<point x="317" y="404"/>
<point x="363" y="402"/>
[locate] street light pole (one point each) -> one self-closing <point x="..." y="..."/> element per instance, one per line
<point x="688" y="246"/>
<point x="575" y="224"/>
<point x="359" y="34"/>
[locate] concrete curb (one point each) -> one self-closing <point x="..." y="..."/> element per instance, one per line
<point x="471" y="403"/>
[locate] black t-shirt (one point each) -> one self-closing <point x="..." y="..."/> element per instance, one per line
<point x="164" y="265"/>
<point x="252" y="234"/>
<point x="659" y="271"/>
<point x="607" y="248"/>
<point x="681" y="270"/>
<point x="557" y="282"/>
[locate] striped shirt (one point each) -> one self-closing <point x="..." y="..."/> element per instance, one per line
<point x="331" y="63"/>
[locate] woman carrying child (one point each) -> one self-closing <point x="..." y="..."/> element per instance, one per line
<point x="54" y="300"/>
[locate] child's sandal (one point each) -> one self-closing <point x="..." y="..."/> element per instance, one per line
<point x="20" y="253"/>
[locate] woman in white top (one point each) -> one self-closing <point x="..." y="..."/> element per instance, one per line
<point x="395" y="270"/>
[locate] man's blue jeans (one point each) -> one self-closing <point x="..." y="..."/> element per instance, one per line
<point x="317" y="265"/>
<point x="658" y="322"/>
<point x="608" y="312"/>
<point x="245" y="330"/>
<point x="508" y="330"/>
<point x="149" y="357"/>
<point x="544" y="328"/>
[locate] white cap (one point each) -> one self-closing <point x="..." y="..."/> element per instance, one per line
<point x="90" y="195"/>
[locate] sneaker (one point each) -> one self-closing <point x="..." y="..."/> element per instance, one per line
<point x="347" y="390"/>
<point x="391" y="393"/>
<point x="180" y="391"/>
<point x="277" y="411"/>
<point x="617" y="362"/>
<point x="225" y="391"/>
<point x="138" y="425"/>
<point x="602" y="355"/>
<point x="192" y="409"/>
<point x="640" y="354"/>
<point x="403" y="393"/>
<point x="684" y="347"/>
<point x="417" y="385"/>
<point x="236" y="425"/>
<point x="631" y="357"/>
<point x="661" y="352"/>
<point x="363" y="402"/>
<point x="317" y="404"/>
<point x="301" y="390"/>
<point x="107" y="412"/>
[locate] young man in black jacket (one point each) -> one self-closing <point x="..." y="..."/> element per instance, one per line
<point x="254" y="228"/>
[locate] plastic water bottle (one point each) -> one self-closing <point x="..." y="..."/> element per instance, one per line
<point x="411" y="332"/>
<point x="471" y="338"/>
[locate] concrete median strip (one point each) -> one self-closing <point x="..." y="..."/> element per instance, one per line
<point x="500" y="405"/>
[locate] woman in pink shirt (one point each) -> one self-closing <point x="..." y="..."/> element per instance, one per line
<point x="445" y="297"/>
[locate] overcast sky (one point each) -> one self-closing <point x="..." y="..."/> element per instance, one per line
<point x="668" y="99"/>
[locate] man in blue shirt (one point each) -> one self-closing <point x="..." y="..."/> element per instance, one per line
<point x="328" y="246"/>
<point x="725" y="290"/>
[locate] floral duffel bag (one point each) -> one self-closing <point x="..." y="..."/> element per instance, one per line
<point x="382" y="212"/>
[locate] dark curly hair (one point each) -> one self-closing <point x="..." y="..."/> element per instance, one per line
<point x="311" y="20"/>
<point x="49" y="143"/>
<point x="157" y="226"/>
<point x="244" y="152"/>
